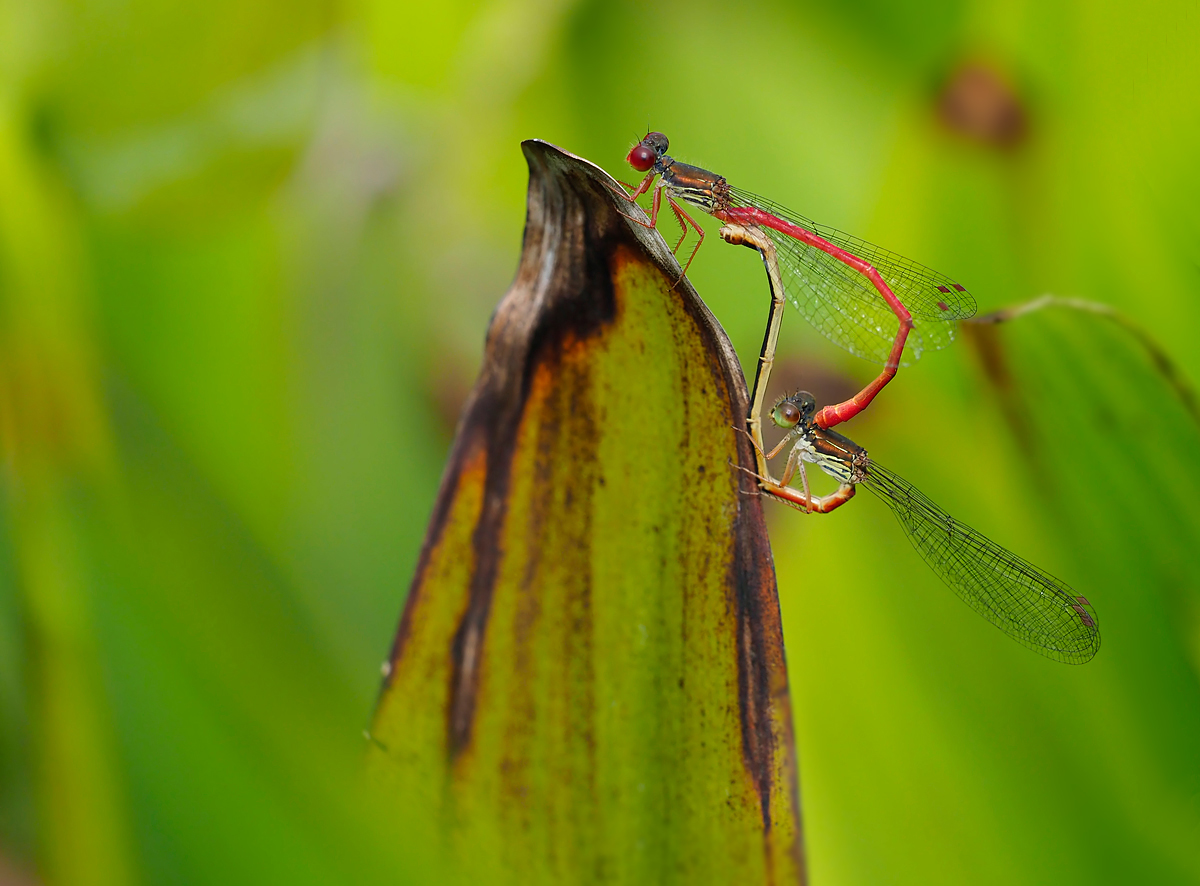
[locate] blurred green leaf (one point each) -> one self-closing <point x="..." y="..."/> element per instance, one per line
<point x="58" y="451"/>
<point x="248" y="258"/>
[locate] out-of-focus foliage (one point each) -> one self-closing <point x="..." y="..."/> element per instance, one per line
<point x="247" y="255"/>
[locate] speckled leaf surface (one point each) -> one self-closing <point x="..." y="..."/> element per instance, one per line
<point x="588" y="683"/>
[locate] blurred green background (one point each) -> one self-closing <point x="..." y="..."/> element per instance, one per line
<point x="247" y="257"/>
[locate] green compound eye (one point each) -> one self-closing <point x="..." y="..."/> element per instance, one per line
<point x="786" y="414"/>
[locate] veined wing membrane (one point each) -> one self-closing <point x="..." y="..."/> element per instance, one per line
<point x="1027" y="603"/>
<point x="846" y="307"/>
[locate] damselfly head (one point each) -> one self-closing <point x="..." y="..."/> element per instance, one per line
<point x="646" y="152"/>
<point x="792" y="409"/>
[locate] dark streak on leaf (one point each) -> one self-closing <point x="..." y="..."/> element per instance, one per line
<point x="758" y="620"/>
<point x="562" y="265"/>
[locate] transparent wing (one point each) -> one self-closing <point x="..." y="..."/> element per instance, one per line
<point x="844" y="305"/>
<point x="1030" y="605"/>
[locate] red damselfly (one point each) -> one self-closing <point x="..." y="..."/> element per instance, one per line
<point x="870" y="301"/>
<point x="1025" y="602"/>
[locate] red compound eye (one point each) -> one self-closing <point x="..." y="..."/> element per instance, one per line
<point x="641" y="158"/>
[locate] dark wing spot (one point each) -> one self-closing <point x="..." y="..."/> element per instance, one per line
<point x="1083" y="615"/>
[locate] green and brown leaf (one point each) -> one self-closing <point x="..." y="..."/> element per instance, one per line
<point x="588" y="683"/>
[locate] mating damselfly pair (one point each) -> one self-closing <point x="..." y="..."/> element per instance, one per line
<point x="885" y="308"/>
